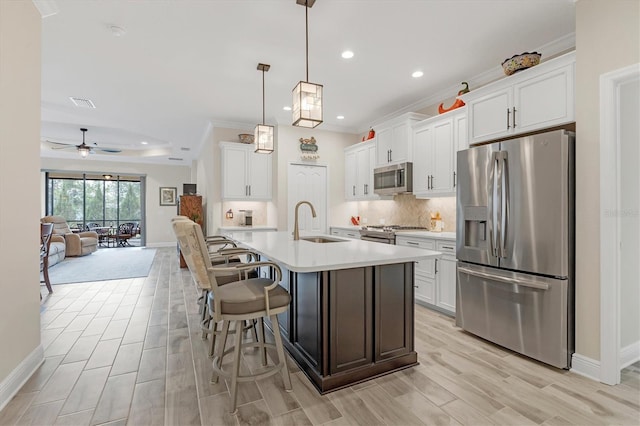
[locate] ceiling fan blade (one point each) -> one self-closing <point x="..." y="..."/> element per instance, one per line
<point x="108" y="150"/>
<point x="64" y="146"/>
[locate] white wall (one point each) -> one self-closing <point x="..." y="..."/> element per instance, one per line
<point x="607" y="38"/>
<point x="19" y="184"/>
<point x="158" y="228"/>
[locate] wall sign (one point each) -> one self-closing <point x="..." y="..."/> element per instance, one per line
<point x="308" y="149"/>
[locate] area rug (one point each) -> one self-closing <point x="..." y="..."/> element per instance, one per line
<point x="104" y="264"/>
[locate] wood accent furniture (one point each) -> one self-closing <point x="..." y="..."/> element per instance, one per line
<point x="191" y="207"/>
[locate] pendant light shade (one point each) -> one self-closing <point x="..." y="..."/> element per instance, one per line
<point x="83" y="148"/>
<point x="307" y="97"/>
<point x="307" y="104"/>
<point x="263" y="133"/>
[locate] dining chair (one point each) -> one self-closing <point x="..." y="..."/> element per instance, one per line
<point x="247" y="299"/>
<point x="46" y="229"/>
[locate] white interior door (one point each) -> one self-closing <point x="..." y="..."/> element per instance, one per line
<point x="307" y="183"/>
<point x="619" y="221"/>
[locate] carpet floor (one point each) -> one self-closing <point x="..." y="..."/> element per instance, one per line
<point x="103" y="265"/>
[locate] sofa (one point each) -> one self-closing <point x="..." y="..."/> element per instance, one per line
<point x="57" y="249"/>
<point x="76" y="244"/>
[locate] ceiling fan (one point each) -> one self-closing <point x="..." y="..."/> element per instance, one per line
<point x="83" y="149"/>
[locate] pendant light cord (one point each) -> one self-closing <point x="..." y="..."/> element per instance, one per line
<point x="306" y="26"/>
<point x="263" y="96"/>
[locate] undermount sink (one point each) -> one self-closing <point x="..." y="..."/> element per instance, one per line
<point x="319" y="239"/>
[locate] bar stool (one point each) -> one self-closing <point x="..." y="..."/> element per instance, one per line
<point x="222" y="252"/>
<point x="248" y="299"/>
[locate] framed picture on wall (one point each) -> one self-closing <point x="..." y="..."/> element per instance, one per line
<point x="168" y="196"/>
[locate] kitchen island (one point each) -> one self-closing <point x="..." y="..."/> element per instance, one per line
<point x="351" y="314"/>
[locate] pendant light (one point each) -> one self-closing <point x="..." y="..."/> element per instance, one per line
<point x="307" y="97"/>
<point x="263" y="134"/>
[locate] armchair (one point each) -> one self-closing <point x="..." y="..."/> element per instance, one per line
<point x="77" y="244"/>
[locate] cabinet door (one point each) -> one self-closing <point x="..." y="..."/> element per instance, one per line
<point x="260" y="176"/>
<point x="400" y="143"/>
<point x="384" y="140"/>
<point x="544" y="101"/>
<point x="461" y="143"/>
<point x="421" y="158"/>
<point x="446" y="283"/>
<point x="490" y="116"/>
<point x="350" y="175"/>
<point x="425" y="289"/>
<point x="362" y="178"/>
<point x="369" y="182"/>
<point x="442" y="158"/>
<point x="234" y="173"/>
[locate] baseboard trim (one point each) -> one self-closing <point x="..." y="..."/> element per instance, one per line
<point x="19" y="376"/>
<point x="585" y="366"/>
<point x="163" y="244"/>
<point x="629" y="354"/>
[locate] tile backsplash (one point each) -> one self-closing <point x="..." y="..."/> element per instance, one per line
<point x="259" y="212"/>
<point x="406" y="209"/>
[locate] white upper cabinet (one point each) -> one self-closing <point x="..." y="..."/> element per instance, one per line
<point x="359" y="162"/>
<point x="435" y="143"/>
<point x="536" y="98"/>
<point x="246" y="175"/>
<point x="393" y="139"/>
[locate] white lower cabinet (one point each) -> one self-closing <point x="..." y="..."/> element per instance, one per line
<point x="435" y="279"/>
<point x="345" y="232"/>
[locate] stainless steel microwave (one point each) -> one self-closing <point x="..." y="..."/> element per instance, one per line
<point x="395" y="179"/>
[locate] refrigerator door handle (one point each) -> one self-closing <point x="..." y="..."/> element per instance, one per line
<point x="505" y="205"/>
<point x="497" y="204"/>
<point x="491" y="207"/>
<point x="506" y="280"/>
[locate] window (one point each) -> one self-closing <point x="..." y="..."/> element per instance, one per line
<point x="84" y="199"/>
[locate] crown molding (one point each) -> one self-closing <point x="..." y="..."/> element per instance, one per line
<point x="46" y="7"/>
<point x="551" y="49"/>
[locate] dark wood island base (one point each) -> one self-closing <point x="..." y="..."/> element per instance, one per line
<point x="350" y="325"/>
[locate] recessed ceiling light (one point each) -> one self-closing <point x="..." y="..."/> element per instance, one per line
<point x="287" y="108"/>
<point x="417" y="74"/>
<point x="347" y="54"/>
<point x="340" y="117"/>
<point x="144" y="143"/>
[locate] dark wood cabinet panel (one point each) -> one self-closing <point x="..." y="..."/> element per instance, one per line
<point x="393" y="310"/>
<point x="307" y="317"/>
<point x="350" y="319"/>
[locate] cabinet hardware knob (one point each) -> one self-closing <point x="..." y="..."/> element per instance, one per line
<point x="508" y="116"/>
<point x="514" y="117"/>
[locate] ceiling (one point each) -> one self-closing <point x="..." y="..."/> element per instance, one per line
<point x="184" y="65"/>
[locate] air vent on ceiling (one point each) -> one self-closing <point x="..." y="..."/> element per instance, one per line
<point x="82" y="103"/>
<point x="184" y="148"/>
<point x="175" y="159"/>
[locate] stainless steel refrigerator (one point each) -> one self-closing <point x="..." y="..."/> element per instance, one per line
<point x="515" y="244"/>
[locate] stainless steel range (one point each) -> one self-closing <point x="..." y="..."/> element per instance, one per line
<point x="385" y="234"/>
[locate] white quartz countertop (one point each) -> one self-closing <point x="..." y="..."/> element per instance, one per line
<point x="248" y="228"/>
<point x="306" y="256"/>
<point x="428" y="234"/>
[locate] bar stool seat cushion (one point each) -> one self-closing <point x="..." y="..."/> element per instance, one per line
<point x="245" y="297"/>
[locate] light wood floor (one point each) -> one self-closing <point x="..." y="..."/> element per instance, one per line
<point x="129" y="352"/>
